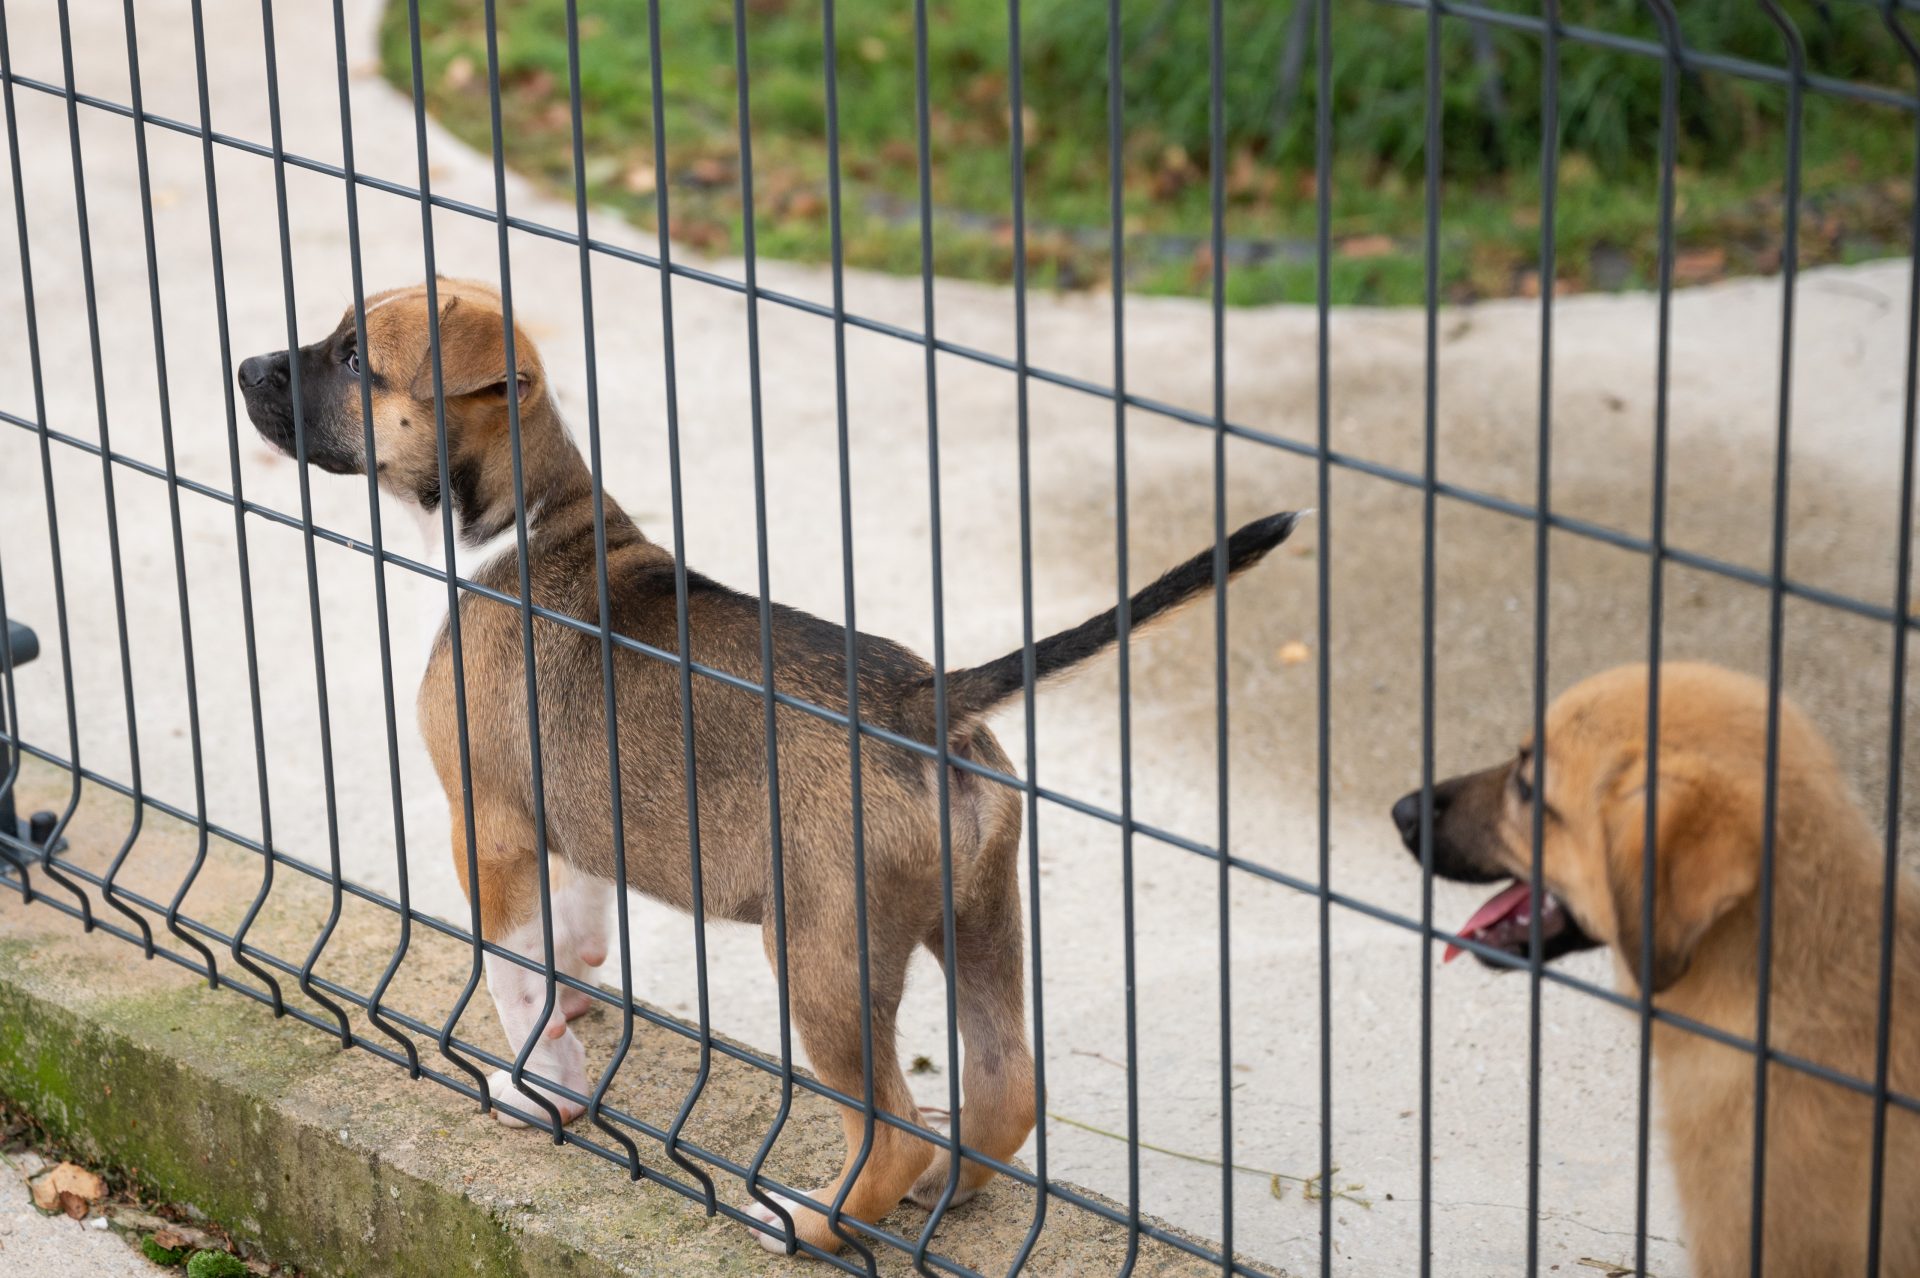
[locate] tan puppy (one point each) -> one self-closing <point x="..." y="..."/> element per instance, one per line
<point x="900" y="787"/>
<point x="1827" y="893"/>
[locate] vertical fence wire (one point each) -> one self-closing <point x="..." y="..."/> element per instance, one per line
<point x="522" y="531"/>
<point x="1776" y="598"/>
<point x="1542" y="532"/>
<point x="776" y="843"/>
<point x="48" y="500"/>
<point x="403" y="887"/>
<point x="164" y="403"/>
<point x="1117" y="233"/>
<point x="1017" y="158"/>
<point x="87" y="284"/>
<point x="303" y="476"/>
<point x="1897" y="701"/>
<point x="1670" y="67"/>
<point x="942" y="723"/>
<point x="1429" y="493"/>
<point x="609" y="692"/>
<point x="697" y="888"/>
<point x="1217" y="270"/>
<point x="463" y="834"/>
<point x="829" y="36"/>
<point x="1323" y="584"/>
<point x="242" y="556"/>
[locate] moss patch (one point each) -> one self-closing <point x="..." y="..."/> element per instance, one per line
<point x="182" y="1103"/>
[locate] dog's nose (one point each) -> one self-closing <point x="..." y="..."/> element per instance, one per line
<point x="255" y="371"/>
<point x="1406" y="816"/>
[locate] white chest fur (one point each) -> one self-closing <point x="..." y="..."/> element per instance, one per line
<point x="468" y="560"/>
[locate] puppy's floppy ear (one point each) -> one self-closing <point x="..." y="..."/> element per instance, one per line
<point x="1706" y="859"/>
<point x="473" y="354"/>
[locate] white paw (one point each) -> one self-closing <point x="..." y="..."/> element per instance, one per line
<point x="500" y="1085"/>
<point x="776" y="1241"/>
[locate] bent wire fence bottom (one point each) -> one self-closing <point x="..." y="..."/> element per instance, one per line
<point x="311" y="939"/>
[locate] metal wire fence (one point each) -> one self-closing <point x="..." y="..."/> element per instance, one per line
<point x="661" y="1152"/>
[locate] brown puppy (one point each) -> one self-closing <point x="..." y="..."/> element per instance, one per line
<point x="900" y="787"/>
<point x="1827" y="892"/>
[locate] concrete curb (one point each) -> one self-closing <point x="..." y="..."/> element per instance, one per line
<point x="333" y="1160"/>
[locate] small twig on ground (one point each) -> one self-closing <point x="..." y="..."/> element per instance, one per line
<point x="1103" y="1059"/>
<point x="1612" y="1269"/>
<point x="1313" y="1187"/>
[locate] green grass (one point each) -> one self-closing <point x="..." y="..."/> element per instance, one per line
<point x="1732" y="138"/>
<point x="216" y="1264"/>
<point x="163" y="1256"/>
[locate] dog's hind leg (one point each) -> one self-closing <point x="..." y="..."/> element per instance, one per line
<point x="509" y="893"/>
<point x="826" y="1009"/>
<point x="990" y="993"/>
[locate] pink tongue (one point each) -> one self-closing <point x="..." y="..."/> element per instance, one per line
<point x="1511" y="901"/>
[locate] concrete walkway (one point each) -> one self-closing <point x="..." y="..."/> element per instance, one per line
<point x="37" y="1246"/>
<point x="1846" y="417"/>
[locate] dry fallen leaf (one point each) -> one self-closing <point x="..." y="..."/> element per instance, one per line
<point x="639" y="179"/>
<point x="710" y="170"/>
<point x="459" y="73"/>
<point x="1294" y="653"/>
<point x="1697" y="266"/>
<point x="73" y="1205"/>
<point x="169" y="1240"/>
<point x="52" y="1191"/>
<point x="1365" y="246"/>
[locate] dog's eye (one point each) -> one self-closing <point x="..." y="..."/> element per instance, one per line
<point x="1523" y="787"/>
<point x="353" y="362"/>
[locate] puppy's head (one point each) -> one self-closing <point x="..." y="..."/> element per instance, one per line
<point x="395" y="374"/>
<point x="1593" y="800"/>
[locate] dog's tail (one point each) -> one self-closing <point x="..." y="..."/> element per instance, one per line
<point x="973" y="692"/>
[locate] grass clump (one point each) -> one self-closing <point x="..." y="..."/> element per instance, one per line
<point x="159" y="1255"/>
<point x="216" y="1264"/>
<point x="1731" y="137"/>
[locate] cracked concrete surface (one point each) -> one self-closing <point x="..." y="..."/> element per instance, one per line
<point x="1846" y="416"/>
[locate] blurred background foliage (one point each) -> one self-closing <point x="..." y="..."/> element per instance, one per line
<point x="1858" y="157"/>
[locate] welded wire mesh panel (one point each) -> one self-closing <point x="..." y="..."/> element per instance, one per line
<point x="228" y="639"/>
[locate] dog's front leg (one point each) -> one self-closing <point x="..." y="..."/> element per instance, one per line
<point x="519" y="994"/>
<point x="510" y="917"/>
